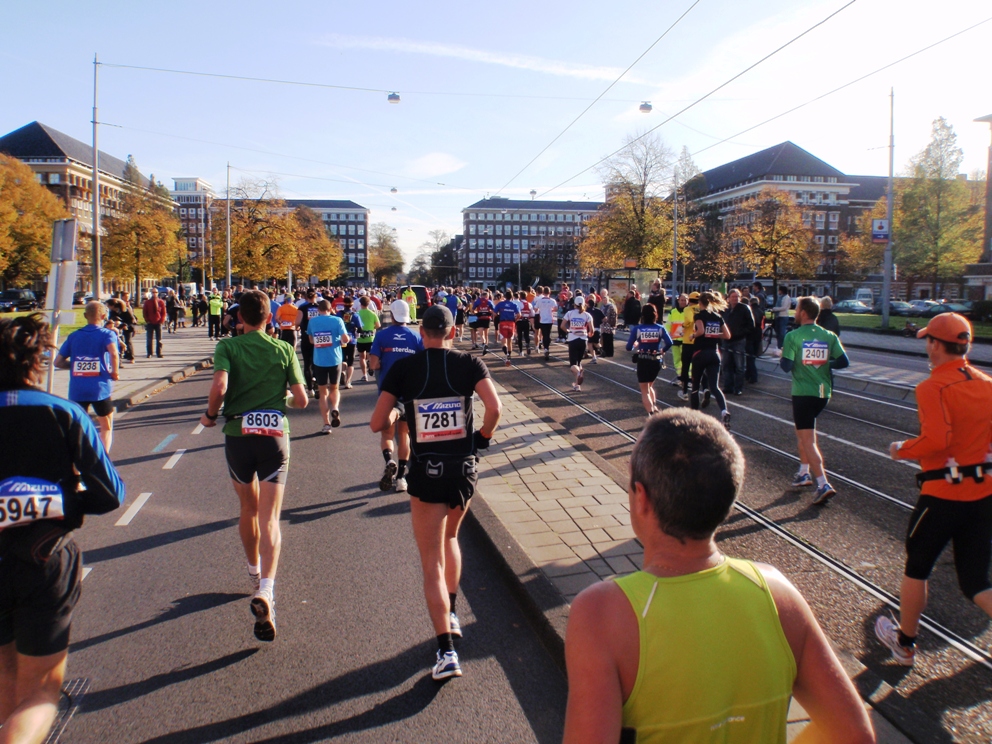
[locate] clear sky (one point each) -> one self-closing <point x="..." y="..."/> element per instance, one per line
<point x="484" y="88"/>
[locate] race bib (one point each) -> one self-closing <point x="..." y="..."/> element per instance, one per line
<point x="286" y="324"/>
<point x="440" y="419"/>
<point x="264" y="423"/>
<point x="24" y="500"/>
<point x="649" y="337"/>
<point x="677" y="330"/>
<point x="473" y="319"/>
<point x="815" y="352"/>
<point x="577" y="326"/>
<point x="366" y="334"/>
<point x="312" y="312"/>
<point x="712" y="330"/>
<point x="323" y="340"/>
<point x="85" y="367"/>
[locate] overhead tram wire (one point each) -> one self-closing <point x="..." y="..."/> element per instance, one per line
<point x="597" y="99"/>
<point x="845" y="85"/>
<point x="707" y="95"/>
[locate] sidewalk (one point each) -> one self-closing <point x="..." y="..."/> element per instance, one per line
<point x="887" y="342"/>
<point x="183" y="353"/>
<point x="572" y="522"/>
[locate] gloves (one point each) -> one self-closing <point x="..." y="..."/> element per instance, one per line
<point x="480" y="442"/>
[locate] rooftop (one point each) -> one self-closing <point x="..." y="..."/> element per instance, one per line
<point x="500" y="203"/>
<point x="785" y="159"/>
<point x="323" y="203"/>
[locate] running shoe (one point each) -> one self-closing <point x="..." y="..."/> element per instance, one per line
<point x="887" y="631"/>
<point x="386" y="482"/>
<point x="256" y="580"/>
<point x="802" y="479"/>
<point x="336" y="418"/>
<point x="683" y="395"/>
<point x="547" y="355"/>
<point x="725" y="418"/>
<point x="485" y="349"/>
<point x="474" y="347"/>
<point x="676" y="382"/>
<point x="348" y="386"/>
<point x="823" y="494"/>
<point x="593" y="361"/>
<point x="400" y="485"/>
<point x="456" y="626"/>
<point x="264" y="610"/>
<point x="575" y="387"/>
<point x="446" y="666"/>
<point x="706" y="400"/>
<point x="326" y="429"/>
<point x="581" y="376"/>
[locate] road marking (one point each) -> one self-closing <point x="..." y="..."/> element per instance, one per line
<point x="86" y="572"/>
<point x="132" y="510"/>
<point x="164" y="443"/>
<point x="198" y="429"/>
<point x="171" y="462"/>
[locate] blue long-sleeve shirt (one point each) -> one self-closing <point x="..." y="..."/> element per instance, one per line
<point x="652" y="340"/>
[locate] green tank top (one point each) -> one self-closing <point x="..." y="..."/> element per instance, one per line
<point x="714" y="665"/>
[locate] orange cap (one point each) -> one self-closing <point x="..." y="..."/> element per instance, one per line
<point x="949" y="327"/>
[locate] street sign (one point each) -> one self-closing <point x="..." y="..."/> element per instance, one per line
<point x="879" y="231"/>
<point x="63" y="277"/>
<point x="64" y="235"/>
<point x="630" y="263"/>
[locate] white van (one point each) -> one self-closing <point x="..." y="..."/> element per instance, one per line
<point x="866" y="296"/>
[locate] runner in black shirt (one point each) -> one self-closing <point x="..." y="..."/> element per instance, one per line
<point x="709" y="329"/>
<point x="435" y="387"/>
<point x="306" y="311"/>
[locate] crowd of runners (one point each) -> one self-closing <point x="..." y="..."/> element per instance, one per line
<point x="278" y="349"/>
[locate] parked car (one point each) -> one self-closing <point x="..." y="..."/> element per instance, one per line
<point x="851" y="306"/>
<point x="962" y="308"/>
<point x="896" y="307"/>
<point x="17" y="299"/>
<point x="920" y="307"/>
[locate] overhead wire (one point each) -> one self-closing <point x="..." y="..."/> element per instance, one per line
<point x="707" y="95"/>
<point x="607" y="90"/>
<point x="845" y="85"/>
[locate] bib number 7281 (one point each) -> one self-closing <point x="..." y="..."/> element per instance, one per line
<point x="440" y="419"/>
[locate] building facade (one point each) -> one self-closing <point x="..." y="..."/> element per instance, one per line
<point x="193" y="197"/>
<point x="498" y="234"/>
<point x="349" y="223"/>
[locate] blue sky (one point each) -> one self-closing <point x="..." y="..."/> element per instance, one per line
<point x="484" y="88"/>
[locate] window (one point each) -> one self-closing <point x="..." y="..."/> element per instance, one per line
<point x="351" y="271"/>
<point x="351" y="258"/>
<point x="361" y="258"/>
<point x="820" y="219"/>
<point x="525" y="244"/>
<point x="471" y="258"/>
<point x="499" y="242"/>
<point x="471" y="271"/>
<point x="499" y="229"/>
<point x="471" y="215"/>
<point x="182" y="211"/>
<point x="790" y="178"/>
<point x="361" y="244"/>
<point x="834" y="220"/>
<point x="489" y="272"/>
<point x="516" y="218"/>
<point x="489" y="258"/>
<point x="472" y="243"/>
<point x="334" y="229"/>
<point x="361" y="271"/>
<point x="490" y="243"/>
<point x="819" y="239"/>
<point x="523" y="258"/>
<point x="471" y="229"/>
<point x="53" y="178"/>
<point x="516" y="244"/>
<point x="351" y="229"/>
<point x="351" y="243"/>
<point x="832" y="240"/>
<point x="361" y="229"/>
<point x="489" y="216"/>
<point x="560" y="231"/>
<point x="568" y="218"/>
<point x="516" y="229"/>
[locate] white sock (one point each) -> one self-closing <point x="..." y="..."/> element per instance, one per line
<point x="724" y="412"/>
<point x="254" y="570"/>
<point x="821" y="481"/>
<point x="803" y="468"/>
<point x="268" y="586"/>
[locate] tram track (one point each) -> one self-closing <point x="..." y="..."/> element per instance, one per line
<point x="836" y="566"/>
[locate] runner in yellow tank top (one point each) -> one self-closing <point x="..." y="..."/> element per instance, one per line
<point x="698" y="648"/>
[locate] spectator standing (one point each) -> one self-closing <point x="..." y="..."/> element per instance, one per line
<point x="171" y="311"/>
<point x="826" y="318"/>
<point x="741" y="323"/>
<point x="753" y="345"/>
<point x="781" y="312"/>
<point x="120" y="313"/>
<point x="155" y="315"/>
<point x="609" y="326"/>
<point x="631" y="309"/>
<point x="215" y="309"/>
<point x="658" y="298"/>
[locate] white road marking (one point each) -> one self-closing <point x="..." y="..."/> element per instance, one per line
<point x="198" y="429"/>
<point x="171" y="462"/>
<point x="86" y="572"/>
<point x="132" y="510"/>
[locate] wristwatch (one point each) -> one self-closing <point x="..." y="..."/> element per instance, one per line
<point x="212" y="418"/>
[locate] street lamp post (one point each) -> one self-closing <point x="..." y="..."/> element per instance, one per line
<point x="987" y="242"/>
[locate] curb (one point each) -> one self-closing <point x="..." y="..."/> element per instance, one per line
<point x="122" y="404"/>
<point x="854" y="384"/>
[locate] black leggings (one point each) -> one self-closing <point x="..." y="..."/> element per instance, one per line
<point x="545" y="335"/>
<point x="523" y="334"/>
<point x="686" y="366"/>
<point x="707" y="362"/>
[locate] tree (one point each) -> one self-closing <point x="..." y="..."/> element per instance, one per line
<point x="636" y="221"/>
<point x="385" y="259"/>
<point x="771" y="237"/>
<point x="317" y="253"/>
<point x="27" y="211"/>
<point x="143" y="238"/>
<point x="857" y="255"/>
<point x="420" y="270"/>
<point x="939" y="227"/>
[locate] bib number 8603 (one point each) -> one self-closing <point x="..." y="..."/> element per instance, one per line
<point x="265" y="423"/>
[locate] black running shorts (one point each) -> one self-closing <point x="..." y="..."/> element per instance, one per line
<point x="576" y="351"/>
<point x="103" y="407"/>
<point x="449" y="481"/>
<point x="805" y="409"/>
<point x="326" y="375"/>
<point x="38" y="590"/>
<point x="254" y="455"/>
<point x="648" y="369"/>
<point x="482" y="323"/>
<point x="348" y="354"/>
<point x="936" y="522"/>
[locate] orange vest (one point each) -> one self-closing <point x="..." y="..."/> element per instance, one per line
<point x="286" y="316"/>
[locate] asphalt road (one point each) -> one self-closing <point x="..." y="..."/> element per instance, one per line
<point x="863" y="531"/>
<point x="164" y="635"/>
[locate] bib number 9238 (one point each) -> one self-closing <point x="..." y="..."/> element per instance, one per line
<point x="263" y="423"/>
<point x="85" y="367"/>
<point x="24" y="500"/>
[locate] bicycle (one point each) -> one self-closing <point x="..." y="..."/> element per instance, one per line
<point x="768" y="335"/>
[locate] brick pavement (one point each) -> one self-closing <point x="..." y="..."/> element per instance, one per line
<point x="569" y="517"/>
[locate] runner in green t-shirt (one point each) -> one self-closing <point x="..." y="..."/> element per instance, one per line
<point x="251" y="372"/>
<point x="809" y="353"/>
<point x="368" y="320"/>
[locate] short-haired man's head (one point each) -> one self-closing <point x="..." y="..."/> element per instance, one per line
<point x="648" y="314"/>
<point x="23" y="343"/>
<point x="94" y="311"/>
<point x="810" y="307"/>
<point x="254" y="307"/>
<point x="324" y="306"/>
<point x="757" y="286"/>
<point x="363" y="301"/>
<point x="691" y="469"/>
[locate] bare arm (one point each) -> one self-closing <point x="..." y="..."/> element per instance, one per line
<point x="385" y="413"/>
<point x="115" y="361"/>
<point x="300" y="398"/>
<point x="490" y="399"/>
<point x="725" y="334"/>
<point x="61" y="362"/>
<point x="216" y="397"/>
<point x="374" y="362"/>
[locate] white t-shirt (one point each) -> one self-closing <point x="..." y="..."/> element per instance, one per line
<point x="546" y="307"/>
<point x="577" y="321"/>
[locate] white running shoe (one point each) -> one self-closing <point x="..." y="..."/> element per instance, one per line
<point x="446" y="666"/>
<point x="386" y="482"/>
<point x="887" y="631"/>
<point x="326" y="429"/>
<point x="400" y="485"/>
<point x="264" y="609"/>
<point x="682" y="395"/>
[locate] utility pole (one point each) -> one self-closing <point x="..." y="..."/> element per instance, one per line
<point x="987" y="242"/>
<point x="675" y="242"/>
<point x="228" y="279"/>
<point x="97" y="270"/>
<point x="887" y="275"/>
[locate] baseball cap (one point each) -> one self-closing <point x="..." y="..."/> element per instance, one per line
<point x="437" y="317"/>
<point x="400" y="310"/>
<point x="579" y="301"/>
<point x="362" y="293"/>
<point x="949" y="327"/>
<point x="694" y="295"/>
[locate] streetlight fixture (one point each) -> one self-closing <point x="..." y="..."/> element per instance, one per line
<point x="393" y="97"/>
<point x="645" y="107"/>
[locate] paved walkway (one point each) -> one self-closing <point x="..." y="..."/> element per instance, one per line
<point x="569" y="517"/>
<point x="886" y="342"/>
<point x="180" y="350"/>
